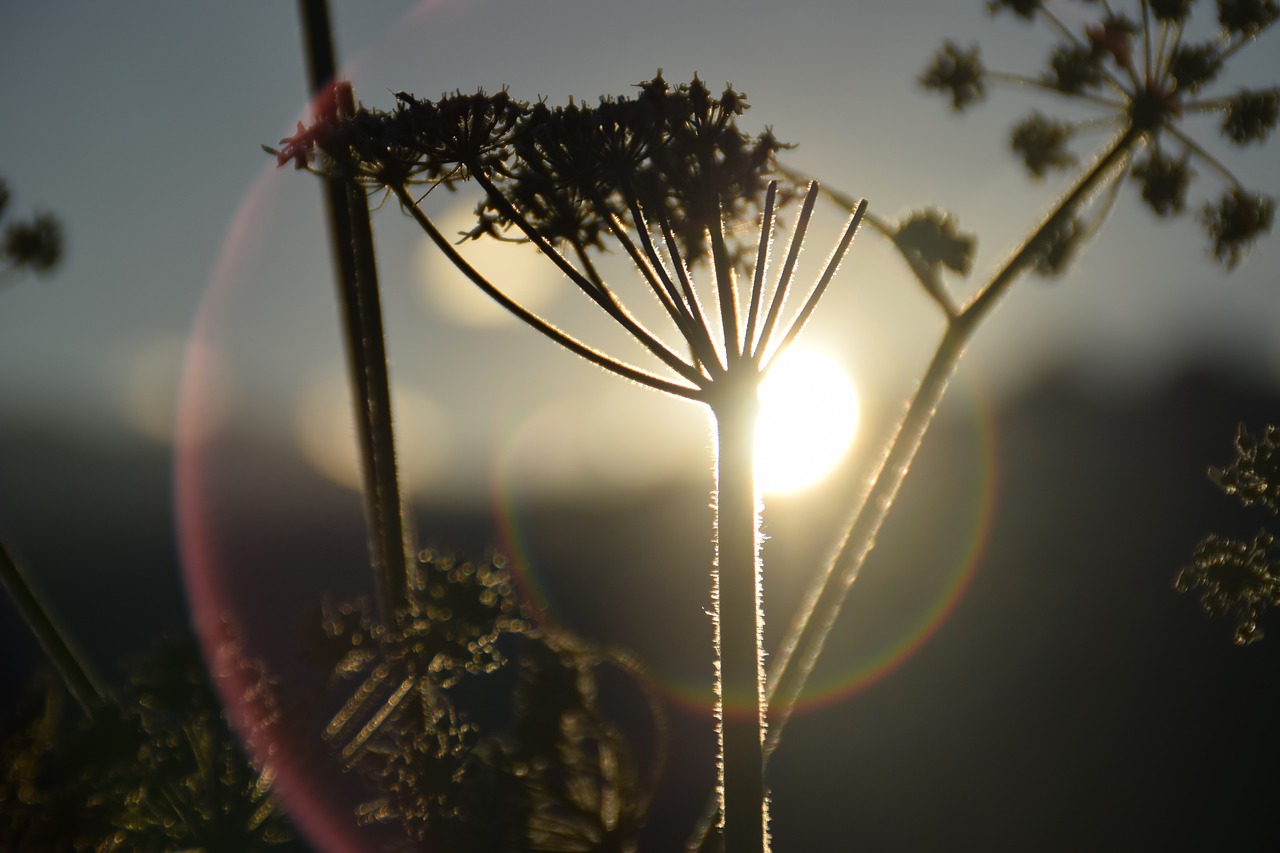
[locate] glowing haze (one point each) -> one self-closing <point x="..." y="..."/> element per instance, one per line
<point x="808" y="417"/>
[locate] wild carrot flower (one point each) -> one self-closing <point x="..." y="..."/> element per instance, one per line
<point x="1145" y="77"/>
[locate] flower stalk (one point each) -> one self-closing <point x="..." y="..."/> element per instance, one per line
<point x="673" y="164"/>
<point x="739" y="620"/>
<point x="807" y="638"/>
<point x="351" y="236"/>
<point x="70" y="665"/>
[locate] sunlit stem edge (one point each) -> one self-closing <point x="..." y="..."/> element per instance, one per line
<point x="806" y="637"/>
<point x="828" y="272"/>
<point x="654" y="275"/>
<point x="738" y="615"/>
<point x="788" y="270"/>
<point x="726" y="287"/>
<point x="762" y="263"/>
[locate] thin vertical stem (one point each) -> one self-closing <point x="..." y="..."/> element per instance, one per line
<point x="726" y="289"/>
<point x="762" y="261"/>
<point x="833" y="264"/>
<point x="788" y="269"/>
<point x="792" y="664"/>
<point x="352" y="240"/>
<point x="739" y="619"/>
<point x="71" y="666"/>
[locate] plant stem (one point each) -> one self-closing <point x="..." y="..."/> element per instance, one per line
<point x="352" y="239"/>
<point x="795" y="659"/>
<point x="739" y="618"/>
<point x="800" y="651"/>
<point x="74" y="671"/>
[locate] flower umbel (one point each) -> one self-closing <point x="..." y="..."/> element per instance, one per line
<point x="1147" y="78"/>
<point x="665" y="175"/>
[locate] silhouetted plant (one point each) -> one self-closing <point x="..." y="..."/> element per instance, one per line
<point x="1144" y="91"/>
<point x="662" y="176"/>
<point x="29" y="817"/>
<point x="156" y="768"/>
<point x="548" y="773"/>
<point x="1145" y="82"/>
<point x="570" y="179"/>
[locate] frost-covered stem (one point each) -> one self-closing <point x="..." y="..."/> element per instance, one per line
<point x="74" y="671"/>
<point x="800" y="650"/>
<point x="739" y="618"/>
<point x="806" y="637"/>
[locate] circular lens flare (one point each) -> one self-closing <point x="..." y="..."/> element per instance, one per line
<point x="808" y="416"/>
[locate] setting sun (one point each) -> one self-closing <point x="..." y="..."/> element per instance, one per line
<point x="808" y="416"/>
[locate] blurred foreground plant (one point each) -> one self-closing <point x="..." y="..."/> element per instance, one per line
<point x="479" y="730"/>
<point x="1237" y="578"/>
<point x="155" y="767"/>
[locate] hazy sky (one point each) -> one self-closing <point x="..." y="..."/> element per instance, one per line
<point x="140" y="125"/>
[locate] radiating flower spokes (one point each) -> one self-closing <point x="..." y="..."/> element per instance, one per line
<point x="1148" y="75"/>
<point x="663" y="175"/>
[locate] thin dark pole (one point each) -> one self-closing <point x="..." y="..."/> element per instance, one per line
<point x="352" y="238"/>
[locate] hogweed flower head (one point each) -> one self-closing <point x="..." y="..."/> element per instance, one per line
<point x="1146" y="76"/>
<point x="666" y="175"/>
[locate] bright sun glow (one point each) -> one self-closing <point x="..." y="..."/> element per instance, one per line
<point x="808" y="415"/>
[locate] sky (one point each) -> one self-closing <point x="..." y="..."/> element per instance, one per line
<point x="141" y="126"/>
